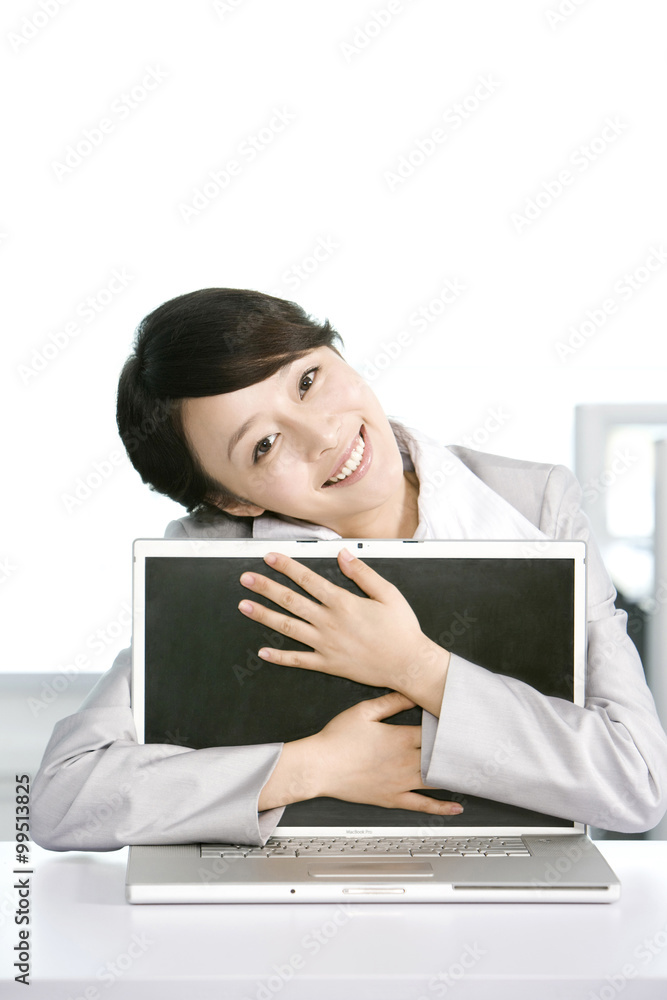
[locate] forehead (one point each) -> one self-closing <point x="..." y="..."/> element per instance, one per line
<point x="221" y="414"/>
<point x="225" y="410"/>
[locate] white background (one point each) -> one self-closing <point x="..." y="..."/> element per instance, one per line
<point x="360" y="94"/>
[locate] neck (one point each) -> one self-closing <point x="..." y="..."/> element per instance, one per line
<point x="397" y="518"/>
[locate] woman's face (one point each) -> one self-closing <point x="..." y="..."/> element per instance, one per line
<point x="281" y="442"/>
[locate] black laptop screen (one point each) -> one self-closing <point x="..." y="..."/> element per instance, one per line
<point x="205" y="686"/>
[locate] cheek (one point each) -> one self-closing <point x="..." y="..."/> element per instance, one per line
<point x="283" y="477"/>
<point x="362" y="395"/>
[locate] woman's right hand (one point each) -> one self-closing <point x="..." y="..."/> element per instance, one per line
<point x="358" y="758"/>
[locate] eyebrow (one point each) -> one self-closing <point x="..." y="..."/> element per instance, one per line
<point x="237" y="435"/>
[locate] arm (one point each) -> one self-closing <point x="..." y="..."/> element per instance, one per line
<point x="356" y="757"/>
<point x="603" y="764"/>
<point x="98" y="789"/>
<point x="378" y="642"/>
<point x="496" y="737"/>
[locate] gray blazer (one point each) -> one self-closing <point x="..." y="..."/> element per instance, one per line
<point x="605" y="764"/>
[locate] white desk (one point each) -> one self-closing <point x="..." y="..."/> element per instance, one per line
<point x="84" y="937"/>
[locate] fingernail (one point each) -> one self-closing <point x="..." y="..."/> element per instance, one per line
<point x="346" y="555"/>
<point x="245" y="607"/>
<point x="270" y="558"/>
<point x="456" y="809"/>
<point x="264" y="653"/>
<point x="247" y="579"/>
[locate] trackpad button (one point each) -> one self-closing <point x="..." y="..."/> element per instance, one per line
<point x="371" y="869"/>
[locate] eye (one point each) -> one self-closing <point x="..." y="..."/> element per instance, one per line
<point x="263" y="447"/>
<point x="307" y="380"/>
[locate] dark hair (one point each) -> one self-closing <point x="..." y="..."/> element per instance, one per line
<point x="204" y="343"/>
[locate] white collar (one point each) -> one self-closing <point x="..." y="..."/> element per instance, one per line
<point x="453" y="501"/>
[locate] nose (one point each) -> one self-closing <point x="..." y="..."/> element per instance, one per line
<point x="316" y="435"/>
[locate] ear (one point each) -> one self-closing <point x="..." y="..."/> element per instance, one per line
<point x="244" y="509"/>
<point x="238" y="509"/>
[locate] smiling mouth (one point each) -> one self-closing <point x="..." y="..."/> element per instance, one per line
<point x="352" y="463"/>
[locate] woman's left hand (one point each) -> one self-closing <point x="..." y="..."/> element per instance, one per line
<point x="377" y="642"/>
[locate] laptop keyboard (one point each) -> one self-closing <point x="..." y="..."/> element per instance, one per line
<point x="398" y="847"/>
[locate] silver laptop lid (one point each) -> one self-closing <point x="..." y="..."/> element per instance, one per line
<point x="514" y="607"/>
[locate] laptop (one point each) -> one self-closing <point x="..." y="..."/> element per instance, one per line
<point x="514" y="607"/>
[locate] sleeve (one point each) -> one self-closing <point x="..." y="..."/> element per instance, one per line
<point x="98" y="789"/>
<point x="604" y="764"/>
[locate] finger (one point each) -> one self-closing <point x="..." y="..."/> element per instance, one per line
<point x="294" y="628"/>
<point x="388" y="704"/>
<point x="425" y="804"/>
<point x="283" y="596"/>
<point x="294" y="658"/>
<point x="310" y="581"/>
<point x="365" y="578"/>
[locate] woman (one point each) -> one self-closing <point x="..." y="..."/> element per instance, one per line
<point x="239" y="406"/>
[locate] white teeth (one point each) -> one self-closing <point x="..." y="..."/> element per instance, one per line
<point x="352" y="464"/>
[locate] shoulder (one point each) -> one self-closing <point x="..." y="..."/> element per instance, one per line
<point x="210" y="526"/>
<point x="538" y="490"/>
<point x="500" y="469"/>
